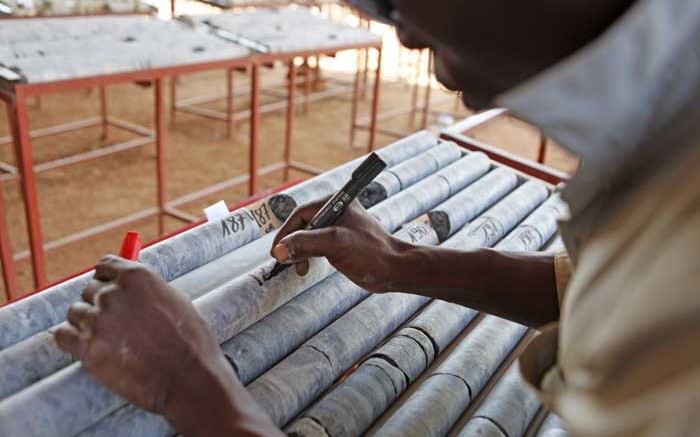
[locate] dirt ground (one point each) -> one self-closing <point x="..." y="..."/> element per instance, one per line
<point x="198" y="155"/>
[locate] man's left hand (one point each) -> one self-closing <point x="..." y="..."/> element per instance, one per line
<point x="137" y="335"/>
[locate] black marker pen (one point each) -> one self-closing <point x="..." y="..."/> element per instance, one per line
<point x="338" y="203"/>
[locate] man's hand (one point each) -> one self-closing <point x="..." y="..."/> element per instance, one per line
<point x="136" y="334"/>
<point x="356" y="245"/>
<point x="145" y="341"/>
<point x="516" y="286"/>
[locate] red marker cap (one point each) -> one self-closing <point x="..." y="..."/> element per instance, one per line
<point x="131" y="246"/>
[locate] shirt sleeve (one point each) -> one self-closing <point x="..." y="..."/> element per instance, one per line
<point x="563" y="269"/>
<point x="538" y="364"/>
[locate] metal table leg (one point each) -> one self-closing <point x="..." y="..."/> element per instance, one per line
<point x="354" y="103"/>
<point x="229" y="103"/>
<point x="160" y="152"/>
<point x="291" y="90"/>
<point x="8" y="264"/>
<point x="426" y="105"/>
<point x="173" y="98"/>
<point x="542" y="154"/>
<point x="375" y="102"/>
<point x="254" y="129"/>
<point x="104" y="112"/>
<point x="25" y="161"/>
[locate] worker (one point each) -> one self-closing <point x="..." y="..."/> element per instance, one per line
<point x="615" y="81"/>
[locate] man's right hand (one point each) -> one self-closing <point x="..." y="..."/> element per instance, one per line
<point x="356" y="245"/>
<point x="519" y="286"/>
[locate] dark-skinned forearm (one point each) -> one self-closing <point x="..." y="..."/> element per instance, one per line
<point x="210" y="402"/>
<point x="519" y="286"/>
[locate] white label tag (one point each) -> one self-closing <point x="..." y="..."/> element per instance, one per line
<point x="217" y="211"/>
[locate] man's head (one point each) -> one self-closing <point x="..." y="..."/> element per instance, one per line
<point x="484" y="47"/>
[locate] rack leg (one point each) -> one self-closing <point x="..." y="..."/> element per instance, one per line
<point x="291" y="88"/>
<point x="543" y="148"/>
<point x="365" y="74"/>
<point x="25" y="161"/>
<point x="160" y="152"/>
<point x="9" y="274"/>
<point x="375" y="102"/>
<point x="8" y="264"/>
<point x="366" y="24"/>
<point x="416" y="86"/>
<point x="103" y="112"/>
<point x="307" y="84"/>
<point x="254" y="129"/>
<point x="426" y="106"/>
<point x="354" y="103"/>
<point x="317" y="72"/>
<point x="173" y="99"/>
<point x="230" y="122"/>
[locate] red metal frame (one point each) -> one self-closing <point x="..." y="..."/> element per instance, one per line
<point x="375" y="103"/>
<point x="19" y="122"/>
<point x="145" y="136"/>
<point x="229" y="103"/>
<point x="358" y="90"/>
<point x="354" y="103"/>
<point x="254" y="130"/>
<point x="229" y="116"/>
<point x="160" y="152"/>
<point x="287" y="163"/>
<point x="9" y="274"/>
<point x="491" y="115"/>
<point x="103" y="112"/>
<point x="459" y="134"/>
<point x="426" y="108"/>
<point x="291" y="88"/>
<point x="269" y="59"/>
<point x="365" y="123"/>
<point x="416" y="88"/>
<point x="16" y="99"/>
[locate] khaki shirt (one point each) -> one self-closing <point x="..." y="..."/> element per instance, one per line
<point x="624" y="359"/>
<point x="628" y="360"/>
